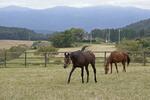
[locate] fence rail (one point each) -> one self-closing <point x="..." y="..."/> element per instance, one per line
<point x="44" y="59"/>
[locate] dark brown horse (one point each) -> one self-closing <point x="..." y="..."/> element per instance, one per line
<point x="116" y="57"/>
<point x="80" y="59"/>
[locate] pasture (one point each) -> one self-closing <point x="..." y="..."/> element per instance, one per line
<point x="51" y="84"/>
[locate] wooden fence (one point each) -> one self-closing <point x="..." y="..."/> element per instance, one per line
<point x="31" y="58"/>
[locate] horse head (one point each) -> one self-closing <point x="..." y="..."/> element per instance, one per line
<point x="67" y="59"/>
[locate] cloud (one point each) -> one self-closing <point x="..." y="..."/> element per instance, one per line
<point x="75" y="3"/>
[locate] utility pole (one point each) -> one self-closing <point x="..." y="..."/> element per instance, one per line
<point x="106" y="37"/>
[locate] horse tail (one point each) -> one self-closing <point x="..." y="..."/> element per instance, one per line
<point x="128" y="60"/>
<point x="83" y="48"/>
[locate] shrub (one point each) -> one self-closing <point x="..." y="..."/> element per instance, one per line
<point x="16" y="51"/>
<point x="38" y="44"/>
<point x="138" y="58"/>
<point x="35" y="44"/>
<point x="2" y="55"/>
<point x="128" y="45"/>
<point x="47" y="49"/>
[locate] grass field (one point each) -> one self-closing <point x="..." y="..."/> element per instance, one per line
<point x="51" y="84"/>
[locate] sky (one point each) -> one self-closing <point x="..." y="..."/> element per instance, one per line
<point x="42" y="4"/>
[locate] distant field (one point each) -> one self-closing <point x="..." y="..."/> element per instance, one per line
<point x="51" y="84"/>
<point x="93" y="47"/>
<point x="9" y="43"/>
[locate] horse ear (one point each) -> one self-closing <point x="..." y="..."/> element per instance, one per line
<point x="65" y="54"/>
<point x="68" y="54"/>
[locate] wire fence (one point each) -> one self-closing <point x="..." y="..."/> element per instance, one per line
<point x="45" y="59"/>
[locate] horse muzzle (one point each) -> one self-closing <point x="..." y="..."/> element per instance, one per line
<point x="65" y="66"/>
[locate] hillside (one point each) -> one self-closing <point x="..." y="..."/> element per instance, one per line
<point x="138" y="26"/>
<point x="19" y="34"/>
<point x="61" y="18"/>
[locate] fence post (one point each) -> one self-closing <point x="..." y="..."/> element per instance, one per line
<point x="25" y="59"/>
<point x="45" y="55"/>
<point x="104" y="57"/>
<point x="144" y="58"/>
<point x="5" y="62"/>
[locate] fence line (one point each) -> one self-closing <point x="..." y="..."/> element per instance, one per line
<point x="44" y="58"/>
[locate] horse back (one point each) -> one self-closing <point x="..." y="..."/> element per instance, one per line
<point x="117" y="56"/>
<point x="80" y="58"/>
<point x="89" y="56"/>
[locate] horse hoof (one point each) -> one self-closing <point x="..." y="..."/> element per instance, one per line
<point x="68" y="82"/>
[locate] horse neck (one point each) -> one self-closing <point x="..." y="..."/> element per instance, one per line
<point x="107" y="62"/>
<point x="109" y="59"/>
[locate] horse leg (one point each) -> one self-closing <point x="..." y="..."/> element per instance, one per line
<point x="124" y="67"/>
<point x="94" y="69"/>
<point x="82" y="74"/>
<point x="116" y="67"/>
<point x="111" y="68"/>
<point x="73" y="68"/>
<point x="87" y="71"/>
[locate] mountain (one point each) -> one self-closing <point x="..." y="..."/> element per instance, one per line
<point x="140" y="25"/>
<point x="61" y="18"/>
<point x="14" y="8"/>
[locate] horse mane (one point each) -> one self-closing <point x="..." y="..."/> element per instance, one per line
<point x="84" y="47"/>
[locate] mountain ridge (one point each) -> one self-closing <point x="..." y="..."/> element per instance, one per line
<point x="62" y="17"/>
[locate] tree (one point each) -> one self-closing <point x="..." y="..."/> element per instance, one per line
<point x="98" y="33"/>
<point x="78" y="33"/>
<point x="141" y="33"/>
<point x="63" y="39"/>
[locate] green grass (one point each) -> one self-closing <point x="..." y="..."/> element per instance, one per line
<point x="51" y="84"/>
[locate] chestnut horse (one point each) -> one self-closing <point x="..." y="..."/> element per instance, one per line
<point x="116" y="57"/>
<point x="80" y="59"/>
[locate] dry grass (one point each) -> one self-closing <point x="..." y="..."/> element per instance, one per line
<point x="50" y="84"/>
<point x="93" y="47"/>
<point x="9" y="43"/>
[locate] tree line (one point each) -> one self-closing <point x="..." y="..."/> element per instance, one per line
<point x="20" y="34"/>
<point x="113" y="35"/>
<point x="71" y="36"/>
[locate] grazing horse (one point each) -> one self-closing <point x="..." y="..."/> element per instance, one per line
<point x="116" y="57"/>
<point x="80" y="59"/>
